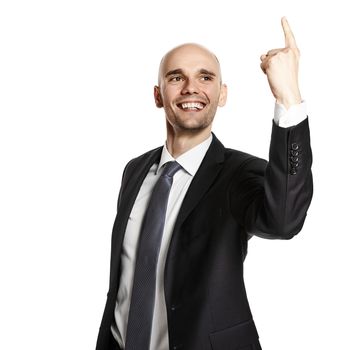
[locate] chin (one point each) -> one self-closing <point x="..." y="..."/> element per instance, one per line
<point x="192" y="127"/>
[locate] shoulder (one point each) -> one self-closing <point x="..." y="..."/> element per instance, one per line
<point x="233" y="158"/>
<point x="145" y="158"/>
<point x="241" y="158"/>
<point x="242" y="166"/>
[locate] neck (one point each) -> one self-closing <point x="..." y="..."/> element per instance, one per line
<point x="181" y="141"/>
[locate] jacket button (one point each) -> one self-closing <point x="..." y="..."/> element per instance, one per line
<point x="294" y="153"/>
<point x="293" y="171"/>
<point x="294" y="159"/>
<point x="295" y="146"/>
<point x="174" y="307"/>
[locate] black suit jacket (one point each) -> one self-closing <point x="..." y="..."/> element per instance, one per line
<point x="232" y="196"/>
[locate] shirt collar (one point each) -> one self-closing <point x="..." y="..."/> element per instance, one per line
<point x="190" y="160"/>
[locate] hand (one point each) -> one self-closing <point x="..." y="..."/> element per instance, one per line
<point x="281" y="67"/>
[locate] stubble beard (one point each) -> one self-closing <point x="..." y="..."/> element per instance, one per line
<point x="193" y="126"/>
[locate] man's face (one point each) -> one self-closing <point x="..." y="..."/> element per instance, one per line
<point x="190" y="88"/>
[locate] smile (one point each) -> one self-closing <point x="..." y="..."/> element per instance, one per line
<point x="191" y="106"/>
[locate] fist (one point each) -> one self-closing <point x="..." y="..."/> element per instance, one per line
<point x="281" y="67"/>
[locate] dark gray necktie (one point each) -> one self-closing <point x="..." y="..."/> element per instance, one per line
<point x="139" y="327"/>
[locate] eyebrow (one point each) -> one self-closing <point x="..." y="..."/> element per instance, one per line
<point x="180" y="71"/>
<point x="173" y="72"/>
<point x="207" y="72"/>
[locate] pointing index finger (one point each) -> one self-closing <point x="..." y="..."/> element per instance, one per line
<point x="288" y="34"/>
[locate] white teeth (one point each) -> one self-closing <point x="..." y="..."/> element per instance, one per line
<point x="192" y="105"/>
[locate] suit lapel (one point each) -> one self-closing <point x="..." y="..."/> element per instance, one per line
<point x="205" y="176"/>
<point x="133" y="180"/>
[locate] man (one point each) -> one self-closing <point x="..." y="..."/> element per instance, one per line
<point x="184" y="289"/>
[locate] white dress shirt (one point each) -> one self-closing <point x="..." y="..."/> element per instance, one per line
<point x="190" y="162"/>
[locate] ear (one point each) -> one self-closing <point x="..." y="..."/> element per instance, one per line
<point x="223" y="95"/>
<point x="157" y="97"/>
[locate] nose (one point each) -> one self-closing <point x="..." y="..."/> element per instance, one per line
<point x="189" y="87"/>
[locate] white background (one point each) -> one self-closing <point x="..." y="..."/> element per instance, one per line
<point x="76" y="104"/>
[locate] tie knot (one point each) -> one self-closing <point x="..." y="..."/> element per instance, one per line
<point x="171" y="168"/>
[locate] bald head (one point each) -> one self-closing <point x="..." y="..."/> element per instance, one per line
<point x="190" y="89"/>
<point x="185" y="55"/>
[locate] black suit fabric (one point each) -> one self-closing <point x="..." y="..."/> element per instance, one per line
<point x="232" y="196"/>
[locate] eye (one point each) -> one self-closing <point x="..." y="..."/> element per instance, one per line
<point x="176" y="78"/>
<point x="206" y="78"/>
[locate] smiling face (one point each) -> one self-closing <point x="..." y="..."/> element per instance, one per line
<point x="190" y="88"/>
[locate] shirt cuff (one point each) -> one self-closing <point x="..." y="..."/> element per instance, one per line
<point x="293" y="116"/>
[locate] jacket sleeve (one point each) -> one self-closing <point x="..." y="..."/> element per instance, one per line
<point x="271" y="199"/>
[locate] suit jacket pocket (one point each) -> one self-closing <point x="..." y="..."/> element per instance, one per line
<point x="235" y="338"/>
